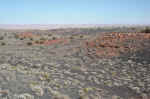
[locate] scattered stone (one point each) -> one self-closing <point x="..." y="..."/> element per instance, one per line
<point x="97" y="96"/>
<point x="25" y="96"/>
<point x="61" y="96"/>
<point x="57" y="95"/>
<point x="86" y="90"/>
<point x="38" y="90"/>
<point x="115" y="97"/>
<point x="144" y="96"/>
<point x="84" y="97"/>
<point x="4" y="94"/>
<point x="137" y="89"/>
<point x="130" y="61"/>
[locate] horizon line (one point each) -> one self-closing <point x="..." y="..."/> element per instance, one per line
<point x="74" y="24"/>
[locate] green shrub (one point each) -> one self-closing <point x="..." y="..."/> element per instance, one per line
<point x="37" y="42"/>
<point x="54" y="38"/>
<point x="146" y="30"/>
<point x="31" y="39"/>
<point x="71" y="37"/>
<point x="1" y="38"/>
<point x="81" y="36"/>
<point x="3" y="43"/>
<point x="21" y="38"/>
<point x="29" y="43"/>
<point x="41" y="42"/>
<point x="16" y="36"/>
<point x="49" y="34"/>
<point x="42" y="39"/>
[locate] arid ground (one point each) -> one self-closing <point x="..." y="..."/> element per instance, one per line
<point x="75" y="63"/>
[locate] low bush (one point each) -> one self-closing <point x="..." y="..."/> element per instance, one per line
<point x="21" y="38"/>
<point x="54" y="38"/>
<point x="81" y="36"/>
<point x="49" y="34"/>
<point x="71" y="37"/>
<point x="31" y="39"/>
<point x="29" y="43"/>
<point x="3" y="43"/>
<point x="1" y="38"/>
<point x="41" y="42"/>
<point x="146" y="30"/>
<point x="42" y="39"/>
<point x="16" y="36"/>
<point x="37" y="42"/>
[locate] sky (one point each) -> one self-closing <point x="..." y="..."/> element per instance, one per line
<point x="74" y="11"/>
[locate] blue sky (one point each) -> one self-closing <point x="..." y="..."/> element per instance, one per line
<point x="74" y="11"/>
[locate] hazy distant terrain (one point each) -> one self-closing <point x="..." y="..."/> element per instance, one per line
<point x="56" y="26"/>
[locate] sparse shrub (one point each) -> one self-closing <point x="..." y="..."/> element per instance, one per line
<point x="16" y="36"/>
<point x="41" y="42"/>
<point x="42" y="39"/>
<point x="3" y="43"/>
<point x="71" y="37"/>
<point x="133" y="28"/>
<point x="54" y="38"/>
<point x="81" y="36"/>
<point x="21" y="38"/>
<point x="1" y="38"/>
<point x="37" y="42"/>
<point x="31" y="39"/>
<point x="146" y="30"/>
<point x="29" y="43"/>
<point x="5" y="34"/>
<point x="49" y="34"/>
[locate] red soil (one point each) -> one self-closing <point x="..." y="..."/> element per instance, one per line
<point x="114" y="44"/>
<point x="27" y="35"/>
<point x="44" y="42"/>
<point x="57" y="41"/>
<point x="51" y="42"/>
